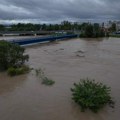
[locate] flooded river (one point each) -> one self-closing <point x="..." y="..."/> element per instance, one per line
<point x="25" y="98"/>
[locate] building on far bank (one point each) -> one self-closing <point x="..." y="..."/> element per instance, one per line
<point x="108" y="25"/>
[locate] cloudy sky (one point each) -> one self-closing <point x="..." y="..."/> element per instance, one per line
<point x="52" y="11"/>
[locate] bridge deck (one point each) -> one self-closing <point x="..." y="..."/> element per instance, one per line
<point x="42" y="39"/>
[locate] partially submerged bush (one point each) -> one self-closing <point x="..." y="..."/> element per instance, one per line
<point x="17" y="71"/>
<point x="45" y="80"/>
<point x="91" y="95"/>
<point x="11" y="71"/>
<point x="11" y="55"/>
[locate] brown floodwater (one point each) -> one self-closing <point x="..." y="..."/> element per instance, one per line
<point x="25" y="98"/>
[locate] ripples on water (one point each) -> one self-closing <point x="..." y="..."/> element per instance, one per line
<point x="24" y="98"/>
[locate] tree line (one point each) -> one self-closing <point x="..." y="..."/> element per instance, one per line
<point x="85" y="29"/>
<point x="65" y="25"/>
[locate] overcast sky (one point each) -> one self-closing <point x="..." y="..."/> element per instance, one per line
<point x="52" y="11"/>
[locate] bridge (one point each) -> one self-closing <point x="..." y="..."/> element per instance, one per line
<point x="30" y="41"/>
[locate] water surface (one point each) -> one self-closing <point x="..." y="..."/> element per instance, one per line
<point x="25" y="98"/>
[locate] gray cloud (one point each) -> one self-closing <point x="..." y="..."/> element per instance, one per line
<point x="58" y="10"/>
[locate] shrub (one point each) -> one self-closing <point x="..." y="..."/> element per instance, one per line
<point x="11" y="71"/>
<point x="11" y="55"/>
<point x="20" y="71"/>
<point x="91" y="95"/>
<point x="45" y="80"/>
<point x="17" y="71"/>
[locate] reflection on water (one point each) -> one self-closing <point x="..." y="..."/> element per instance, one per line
<point x="24" y="98"/>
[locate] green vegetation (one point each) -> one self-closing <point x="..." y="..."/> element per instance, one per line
<point x="113" y="27"/>
<point x="45" y="80"/>
<point x="12" y="58"/>
<point x="91" y="95"/>
<point x="64" y="25"/>
<point x="17" y="71"/>
<point x="11" y="55"/>
<point x="89" y="30"/>
<point x="2" y="27"/>
<point x="86" y="29"/>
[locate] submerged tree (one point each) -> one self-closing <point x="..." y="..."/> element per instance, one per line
<point x="91" y="95"/>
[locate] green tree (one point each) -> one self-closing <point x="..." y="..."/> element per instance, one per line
<point x="66" y="25"/>
<point x="96" y="30"/>
<point x="89" y="30"/>
<point x="113" y="27"/>
<point x="11" y="55"/>
<point x="2" y="27"/>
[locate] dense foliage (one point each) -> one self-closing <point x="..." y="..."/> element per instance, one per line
<point x="2" y="27"/>
<point x="91" y="95"/>
<point x="11" y="55"/>
<point x="65" y="25"/>
<point x="92" y="30"/>
<point x="113" y="27"/>
<point x="17" y="71"/>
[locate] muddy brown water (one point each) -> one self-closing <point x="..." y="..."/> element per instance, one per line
<point x="25" y="98"/>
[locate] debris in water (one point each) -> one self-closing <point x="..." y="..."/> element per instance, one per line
<point x="80" y="51"/>
<point x="61" y="49"/>
<point x="78" y="55"/>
